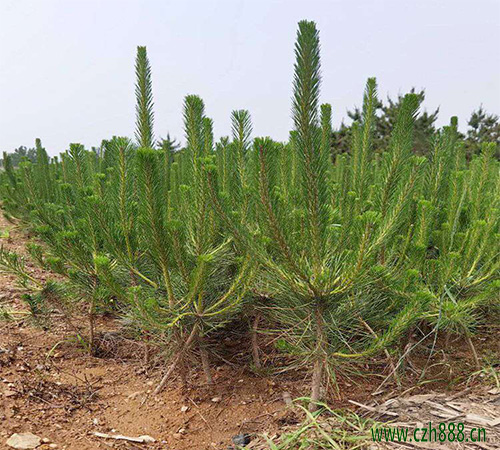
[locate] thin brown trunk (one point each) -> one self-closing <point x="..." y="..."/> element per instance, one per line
<point x="183" y="370"/>
<point x="165" y="378"/>
<point x="319" y="362"/>
<point x="92" y="328"/>
<point x="177" y="358"/>
<point x="92" y="305"/>
<point x="316" y="384"/>
<point x="474" y="352"/>
<point x="205" y="363"/>
<point x="182" y="363"/>
<point x="447" y="340"/>
<point x="255" y="343"/>
<point x="405" y="346"/>
<point x="146" y="355"/>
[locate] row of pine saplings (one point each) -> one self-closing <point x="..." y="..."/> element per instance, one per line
<point x="336" y="258"/>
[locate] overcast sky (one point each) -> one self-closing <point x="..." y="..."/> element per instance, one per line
<point x="67" y="66"/>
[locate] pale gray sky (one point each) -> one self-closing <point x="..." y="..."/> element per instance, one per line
<point x="67" y="66"/>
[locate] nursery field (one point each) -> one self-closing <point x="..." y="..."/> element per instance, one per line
<point x="250" y="293"/>
<point x="52" y="388"/>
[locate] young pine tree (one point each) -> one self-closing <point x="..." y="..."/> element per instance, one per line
<point x="144" y="100"/>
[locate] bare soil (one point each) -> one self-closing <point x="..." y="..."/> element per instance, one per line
<point x="51" y="387"/>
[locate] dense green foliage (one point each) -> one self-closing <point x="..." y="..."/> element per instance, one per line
<point x="337" y="258"/>
<point x="482" y="127"/>
<point x="20" y="154"/>
<point x="386" y="115"/>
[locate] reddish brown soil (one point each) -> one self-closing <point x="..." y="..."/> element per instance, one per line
<point x="52" y="388"/>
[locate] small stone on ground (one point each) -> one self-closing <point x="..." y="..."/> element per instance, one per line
<point x="23" y="441"/>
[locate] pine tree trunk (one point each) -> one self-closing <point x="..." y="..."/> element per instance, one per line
<point x="92" y="348"/>
<point x="183" y="370"/>
<point x="181" y="363"/>
<point x="316" y="384"/>
<point x="175" y="362"/>
<point x="474" y="352"/>
<point x="447" y="340"/>
<point x="205" y="361"/>
<point x="92" y="308"/>
<point x="319" y="363"/>
<point x="255" y="343"/>
<point x="405" y="345"/>
<point x="206" y="365"/>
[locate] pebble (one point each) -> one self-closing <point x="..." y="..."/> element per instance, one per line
<point x="23" y="441"/>
<point x="216" y="399"/>
<point x="241" y="440"/>
<point x="134" y="394"/>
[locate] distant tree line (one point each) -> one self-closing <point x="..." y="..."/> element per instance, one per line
<point x="23" y="153"/>
<point x="481" y="127"/>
